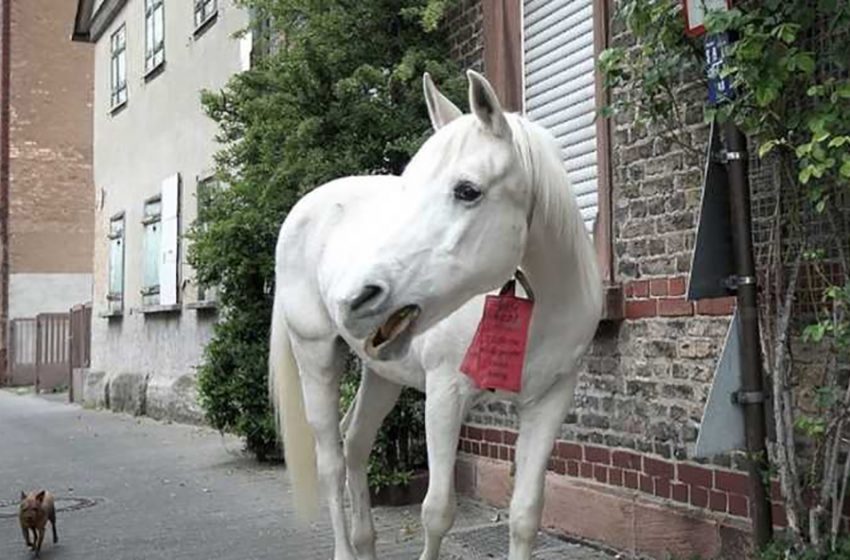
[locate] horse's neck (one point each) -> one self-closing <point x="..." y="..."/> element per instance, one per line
<point x="561" y="268"/>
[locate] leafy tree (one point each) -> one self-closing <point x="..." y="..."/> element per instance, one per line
<point x="337" y="93"/>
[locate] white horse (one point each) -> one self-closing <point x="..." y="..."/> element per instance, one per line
<point x="396" y="267"/>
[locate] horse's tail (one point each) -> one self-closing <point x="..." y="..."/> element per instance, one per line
<point x="290" y="417"/>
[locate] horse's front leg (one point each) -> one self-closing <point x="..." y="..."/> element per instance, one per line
<point x="321" y="367"/>
<point x="540" y="422"/>
<point x="448" y="396"/>
<point x="375" y="399"/>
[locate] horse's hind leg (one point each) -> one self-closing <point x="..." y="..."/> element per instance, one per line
<point x="539" y="425"/>
<point x="321" y="363"/>
<point x="375" y="398"/>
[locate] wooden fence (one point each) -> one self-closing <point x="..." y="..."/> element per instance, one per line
<point x="22" y="345"/>
<point x="44" y="350"/>
<point x="53" y="350"/>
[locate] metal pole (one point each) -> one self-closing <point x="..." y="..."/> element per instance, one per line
<point x="751" y="397"/>
<point x="5" y="69"/>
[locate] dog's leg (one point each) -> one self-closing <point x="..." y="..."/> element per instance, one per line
<point x="26" y="532"/>
<point x="51" y="515"/>
<point x="40" y="533"/>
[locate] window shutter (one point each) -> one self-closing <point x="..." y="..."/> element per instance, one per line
<point x="246" y="46"/>
<point x="115" y="293"/>
<point x="168" y="241"/>
<point x="560" y="88"/>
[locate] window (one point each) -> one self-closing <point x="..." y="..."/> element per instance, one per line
<point x="150" y="267"/>
<point x="560" y="89"/>
<point x="118" y="67"/>
<point x="262" y="37"/>
<point x="206" y="188"/>
<point x="154" y="34"/>
<point x="115" y="291"/>
<point x="204" y="12"/>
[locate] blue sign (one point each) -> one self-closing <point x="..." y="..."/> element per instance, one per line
<point x="719" y="88"/>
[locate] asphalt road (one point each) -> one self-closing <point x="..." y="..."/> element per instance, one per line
<point x="136" y="489"/>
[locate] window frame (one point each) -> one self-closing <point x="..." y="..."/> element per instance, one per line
<point x="204" y="14"/>
<point x="150" y="292"/>
<point x="206" y="297"/>
<point x="118" y="52"/>
<point x="503" y="36"/>
<point x="117" y="232"/>
<point x="154" y="53"/>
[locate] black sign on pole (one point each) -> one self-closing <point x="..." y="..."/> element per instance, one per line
<point x="723" y="263"/>
<point x="713" y="260"/>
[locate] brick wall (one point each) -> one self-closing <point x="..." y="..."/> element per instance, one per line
<point x="51" y="196"/>
<point x="707" y="487"/>
<point x="645" y="380"/>
<point x="626" y="450"/>
<point x="465" y="22"/>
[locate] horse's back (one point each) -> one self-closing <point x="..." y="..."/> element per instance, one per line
<point x="328" y="202"/>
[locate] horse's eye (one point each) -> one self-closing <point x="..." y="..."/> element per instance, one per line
<point x="467" y="191"/>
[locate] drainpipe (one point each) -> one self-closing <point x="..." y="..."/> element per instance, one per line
<point x="751" y="396"/>
<point x="5" y="61"/>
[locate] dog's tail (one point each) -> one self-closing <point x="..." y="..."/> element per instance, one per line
<point x="291" y="419"/>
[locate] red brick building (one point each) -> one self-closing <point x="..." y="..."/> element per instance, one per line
<point x="623" y="470"/>
<point x="51" y="214"/>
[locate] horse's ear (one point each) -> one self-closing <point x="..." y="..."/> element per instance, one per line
<point x="485" y="104"/>
<point x="440" y="109"/>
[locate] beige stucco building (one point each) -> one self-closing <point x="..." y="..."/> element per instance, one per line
<point x="153" y="147"/>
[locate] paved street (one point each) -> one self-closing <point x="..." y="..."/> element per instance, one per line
<point x="136" y="489"/>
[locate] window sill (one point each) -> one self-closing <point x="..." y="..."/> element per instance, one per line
<point x="115" y="109"/>
<point x="613" y="302"/>
<point x="114" y="314"/>
<point x="204" y="25"/>
<point x="156" y="309"/>
<point x="154" y="72"/>
<point x="206" y="305"/>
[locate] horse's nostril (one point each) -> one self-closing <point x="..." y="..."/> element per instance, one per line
<point x="369" y="294"/>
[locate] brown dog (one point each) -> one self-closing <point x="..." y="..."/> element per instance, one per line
<point x="36" y="510"/>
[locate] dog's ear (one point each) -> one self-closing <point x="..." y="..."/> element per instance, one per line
<point x="23" y="495"/>
<point x="39" y="497"/>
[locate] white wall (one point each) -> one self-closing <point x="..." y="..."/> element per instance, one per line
<point x="161" y="131"/>
<point x="31" y="294"/>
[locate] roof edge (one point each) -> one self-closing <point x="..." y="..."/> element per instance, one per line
<point x="82" y="21"/>
<point x="90" y="24"/>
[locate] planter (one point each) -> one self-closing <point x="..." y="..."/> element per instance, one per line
<point x="402" y="494"/>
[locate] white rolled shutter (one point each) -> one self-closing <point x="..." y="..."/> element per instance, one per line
<point x="560" y="88"/>
<point x="169" y="240"/>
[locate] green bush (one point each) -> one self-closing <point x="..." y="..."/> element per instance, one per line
<point x="339" y="94"/>
<point x="231" y="385"/>
<point x="782" y="550"/>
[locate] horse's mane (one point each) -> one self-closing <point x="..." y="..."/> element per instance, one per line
<point x="554" y="200"/>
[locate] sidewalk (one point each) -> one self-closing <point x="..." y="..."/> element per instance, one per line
<point x="136" y="489"/>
